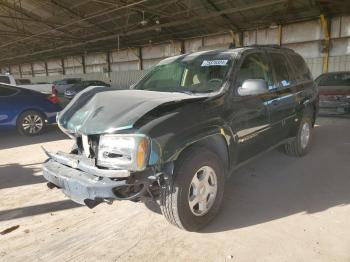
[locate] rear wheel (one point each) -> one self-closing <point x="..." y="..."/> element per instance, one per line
<point x="193" y="196"/>
<point x="301" y="144"/>
<point x="30" y="123"/>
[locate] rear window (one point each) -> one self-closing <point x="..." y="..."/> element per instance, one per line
<point x="5" y="79"/>
<point x="283" y="72"/>
<point x="23" y="82"/>
<point x="337" y="79"/>
<point x="72" y="81"/>
<point x="7" y="91"/>
<point x="301" y="68"/>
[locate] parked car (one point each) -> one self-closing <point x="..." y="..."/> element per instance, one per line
<point x="26" y="110"/>
<point x="60" y="86"/>
<point x="183" y="129"/>
<point x="73" y="90"/>
<point x="25" y="83"/>
<point x="334" y="89"/>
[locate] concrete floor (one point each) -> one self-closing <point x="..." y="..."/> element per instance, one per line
<point x="277" y="208"/>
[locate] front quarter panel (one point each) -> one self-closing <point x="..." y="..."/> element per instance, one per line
<point x="174" y="129"/>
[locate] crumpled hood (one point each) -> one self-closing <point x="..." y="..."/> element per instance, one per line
<point x="94" y="111"/>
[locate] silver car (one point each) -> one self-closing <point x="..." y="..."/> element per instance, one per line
<point x="60" y="86"/>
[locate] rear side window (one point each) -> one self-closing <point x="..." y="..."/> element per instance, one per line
<point x="284" y="75"/>
<point x="5" y="79"/>
<point x="338" y="79"/>
<point x="301" y="68"/>
<point x="72" y="81"/>
<point x="7" y="91"/>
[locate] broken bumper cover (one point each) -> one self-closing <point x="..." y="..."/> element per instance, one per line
<point x="88" y="188"/>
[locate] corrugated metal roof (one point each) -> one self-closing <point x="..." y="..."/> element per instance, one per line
<point x="38" y="29"/>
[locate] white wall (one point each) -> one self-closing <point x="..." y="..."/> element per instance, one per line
<point x="304" y="37"/>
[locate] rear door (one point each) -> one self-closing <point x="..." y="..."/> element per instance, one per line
<point x="282" y="100"/>
<point x="8" y="106"/>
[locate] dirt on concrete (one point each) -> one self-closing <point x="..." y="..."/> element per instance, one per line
<point x="277" y="208"/>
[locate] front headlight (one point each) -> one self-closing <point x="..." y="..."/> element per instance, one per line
<point x="128" y="152"/>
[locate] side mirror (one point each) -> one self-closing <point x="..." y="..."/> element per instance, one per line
<point x="253" y="87"/>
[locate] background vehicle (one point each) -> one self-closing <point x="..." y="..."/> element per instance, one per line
<point x="334" y="89"/>
<point x="60" y="86"/>
<point x="27" y="110"/>
<point x="25" y="83"/>
<point x="184" y="128"/>
<point x="76" y="88"/>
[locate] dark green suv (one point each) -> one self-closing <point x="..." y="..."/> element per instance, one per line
<point x="181" y="131"/>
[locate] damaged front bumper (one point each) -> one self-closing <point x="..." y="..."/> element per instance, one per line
<point x="84" y="183"/>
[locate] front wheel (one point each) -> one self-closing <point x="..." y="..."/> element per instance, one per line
<point x="30" y="123"/>
<point x="194" y="194"/>
<point x="301" y="144"/>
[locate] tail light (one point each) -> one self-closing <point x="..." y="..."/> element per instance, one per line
<point x="53" y="90"/>
<point x="53" y="99"/>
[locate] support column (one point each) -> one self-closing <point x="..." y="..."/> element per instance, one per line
<point x="237" y="39"/>
<point x="63" y="68"/>
<point x="46" y="69"/>
<point x="182" y="50"/>
<point x="140" y="58"/>
<point x="325" y="24"/>
<point x="279" y="35"/>
<point x="20" y="70"/>
<point x="32" y="69"/>
<point x="108" y="54"/>
<point x="83" y="63"/>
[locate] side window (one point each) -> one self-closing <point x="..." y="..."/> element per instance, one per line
<point x="284" y="75"/>
<point x="302" y="70"/>
<point x="5" y="79"/>
<point x="7" y="91"/>
<point x="255" y="66"/>
<point x="339" y="79"/>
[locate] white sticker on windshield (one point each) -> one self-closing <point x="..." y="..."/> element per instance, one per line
<point x="214" y="62"/>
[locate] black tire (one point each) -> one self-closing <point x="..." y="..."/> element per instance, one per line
<point x="295" y="148"/>
<point x="175" y="195"/>
<point x="32" y="130"/>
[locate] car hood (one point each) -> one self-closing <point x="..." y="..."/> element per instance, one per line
<point x="97" y="111"/>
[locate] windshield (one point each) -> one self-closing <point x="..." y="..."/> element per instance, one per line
<point x="194" y="73"/>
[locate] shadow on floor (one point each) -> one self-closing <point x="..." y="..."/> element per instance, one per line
<point x="14" y="175"/>
<point x="13" y="139"/>
<point x="37" y="209"/>
<point x="276" y="186"/>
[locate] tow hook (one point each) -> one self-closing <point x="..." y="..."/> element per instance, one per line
<point x="51" y="185"/>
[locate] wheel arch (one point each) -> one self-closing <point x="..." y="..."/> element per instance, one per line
<point x="216" y="143"/>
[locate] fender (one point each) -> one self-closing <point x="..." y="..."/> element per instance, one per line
<point x="207" y="135"/>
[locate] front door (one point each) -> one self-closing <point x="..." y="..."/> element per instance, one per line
<point x="249" y="119"/>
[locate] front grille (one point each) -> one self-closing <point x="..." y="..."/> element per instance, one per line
<point x="91" y="147"/>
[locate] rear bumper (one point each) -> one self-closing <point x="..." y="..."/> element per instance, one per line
<point x="51" y="117"/>
<point x="86" y="184"/>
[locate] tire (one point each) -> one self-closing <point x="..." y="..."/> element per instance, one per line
<point x="300" y="147"/>
<point x="176" y="195"/>
<point x="31" y="123"/>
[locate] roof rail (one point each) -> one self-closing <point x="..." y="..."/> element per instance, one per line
<point x="272" y="46"/>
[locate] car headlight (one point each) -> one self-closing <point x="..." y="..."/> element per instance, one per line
<point x="123" y="151"/>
